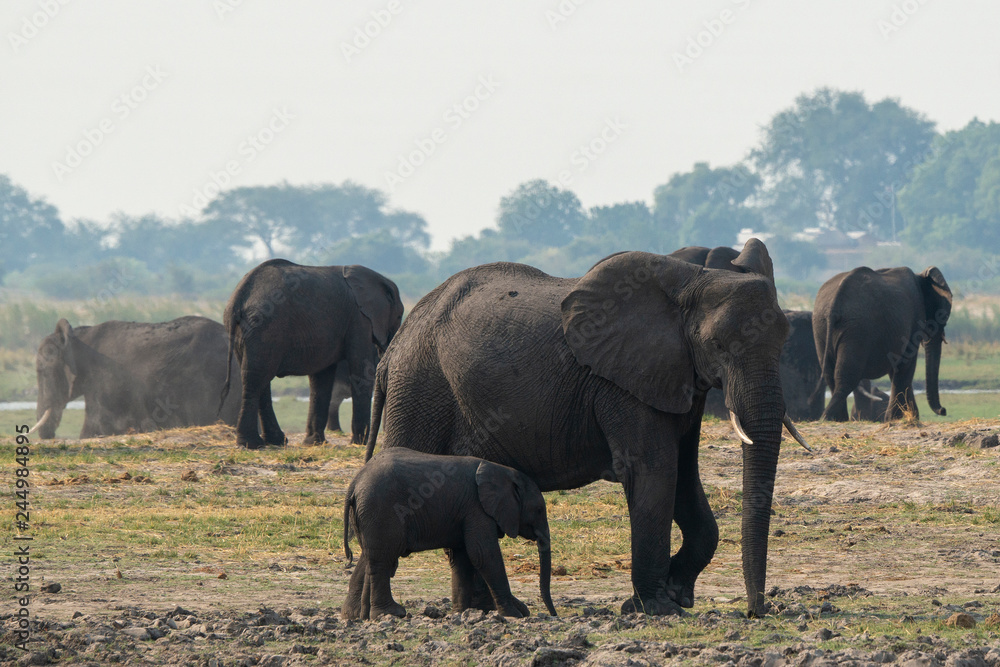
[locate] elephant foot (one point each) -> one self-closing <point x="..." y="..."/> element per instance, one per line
<point x="313" y="440"/>
<point x="250" y="443"/>
<point x="483" y="599"/>
<point x="276" y="440"/>
<point x="351" y="610"/>
<point x="357" y="440"/>
<point x="395" y="609"/>
<point x="514" y="608"/>
<point x="680" y="584"/>
<point x="654" y="606"/>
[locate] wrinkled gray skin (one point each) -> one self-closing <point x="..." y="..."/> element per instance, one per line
<point x="867" y="324"/>
<point x="866" y="409"/>
<point x="800" y="370"/>
<point x="134" y="376"/>
<point x="571" y="380"/>
<point x="405" y="501"/>
<point x="286" y="319"/>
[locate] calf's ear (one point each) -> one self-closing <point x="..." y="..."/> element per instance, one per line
<point x="499" y="496"/>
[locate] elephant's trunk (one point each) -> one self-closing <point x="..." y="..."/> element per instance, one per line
<point x="49" y="415"/>
<point x="932" y="354"/>
<point x="758" y="402"/>
<point x="545" y="570"/>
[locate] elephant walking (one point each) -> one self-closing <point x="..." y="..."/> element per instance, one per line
<point x="868" y="323"/>
<point x="602" y="377"/>
<point x="134" y="376"/>
<point x="287" y="319"/>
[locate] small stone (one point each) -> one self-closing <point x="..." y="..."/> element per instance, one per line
<point x="136" y="633"/>
<point x="430" y="611"/>
<point x="179" y="611"/>
<point x="77" y="614"/>
<point x="960" y="620"/>
<point x="548" y="656"/>
<point x="51" y="588"/>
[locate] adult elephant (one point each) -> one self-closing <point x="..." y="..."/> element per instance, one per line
<point x="134" y="376"/>
<point x="571" y="380"/>
<point x="868" y="323"/>
<point x="800" y="370"/>
<point x="287" y="319"/>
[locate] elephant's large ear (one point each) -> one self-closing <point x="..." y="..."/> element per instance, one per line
<point x="499" y="496"/>
<point x="624" y="321"/>
<point x="376" y="297"/>
<point x="66" y="341"/>
<point x="755" y="259"/>
<point x="937" y="295"/>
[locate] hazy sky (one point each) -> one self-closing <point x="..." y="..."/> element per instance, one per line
<point x="166" y="96"/>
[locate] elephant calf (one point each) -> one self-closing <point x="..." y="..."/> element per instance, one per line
<point x="405" y="501"/>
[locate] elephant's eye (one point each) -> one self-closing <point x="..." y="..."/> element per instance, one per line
<point x="717" y="345"/>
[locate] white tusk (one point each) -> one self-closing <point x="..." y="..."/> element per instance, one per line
<point x="871" y="397"/>
<point x="45" y="418"/>
<point x="795" y="433"/>
<point x="738" y="427"/>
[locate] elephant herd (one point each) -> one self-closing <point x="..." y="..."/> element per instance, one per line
<point x="516" y="374"/>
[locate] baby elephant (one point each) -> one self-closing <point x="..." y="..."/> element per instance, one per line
<point x="405" y="501"/>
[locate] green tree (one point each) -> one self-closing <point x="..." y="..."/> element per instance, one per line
<point x="626" y="226"/>
<point x="31" y="230"/>
<point x="835" y="160"/>
<point x="542" y="214"/>
<point x="160" y="243"/>
<point x="705" y="206"/>
<point x="954" y="197"/>
<point x="489" y="246"/>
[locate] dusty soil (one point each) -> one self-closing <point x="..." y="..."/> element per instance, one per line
<point x="878" y="538"/>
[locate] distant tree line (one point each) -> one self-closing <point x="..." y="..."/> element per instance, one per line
<point x="832" y="161"/>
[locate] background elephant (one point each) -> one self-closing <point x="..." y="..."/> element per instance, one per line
<point x="341" y="391"/>
<point x="604" y="376"/>
<point x="868" y="323"/>
<point x="286" y="319"/>
<point x="870" y="403"/>
<point x="800" y="370"/>
<point x="134" y="376"/>
<point x="405" y="501"/>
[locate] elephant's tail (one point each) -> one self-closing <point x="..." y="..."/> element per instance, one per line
<point x="378" y="403"/>
<point x="827" y="365"/>
<point x="349" y="504"/>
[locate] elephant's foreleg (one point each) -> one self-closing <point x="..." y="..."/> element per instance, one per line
<point x="484" y="553"/>
<point x="901" y="399"/>
<point x="650" y="496"/>
<point x="697" y="523"/>
<point x="273" y="435"/>
<point x="320" y="390"/>
<point x="352" y="607"/>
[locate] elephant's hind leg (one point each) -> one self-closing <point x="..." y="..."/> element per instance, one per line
<point x="352" y="607"/>
<point x="247" y="433"/>
<point x="382" y="603"/>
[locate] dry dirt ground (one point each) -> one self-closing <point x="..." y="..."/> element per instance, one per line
<point x="885" y="548"/>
